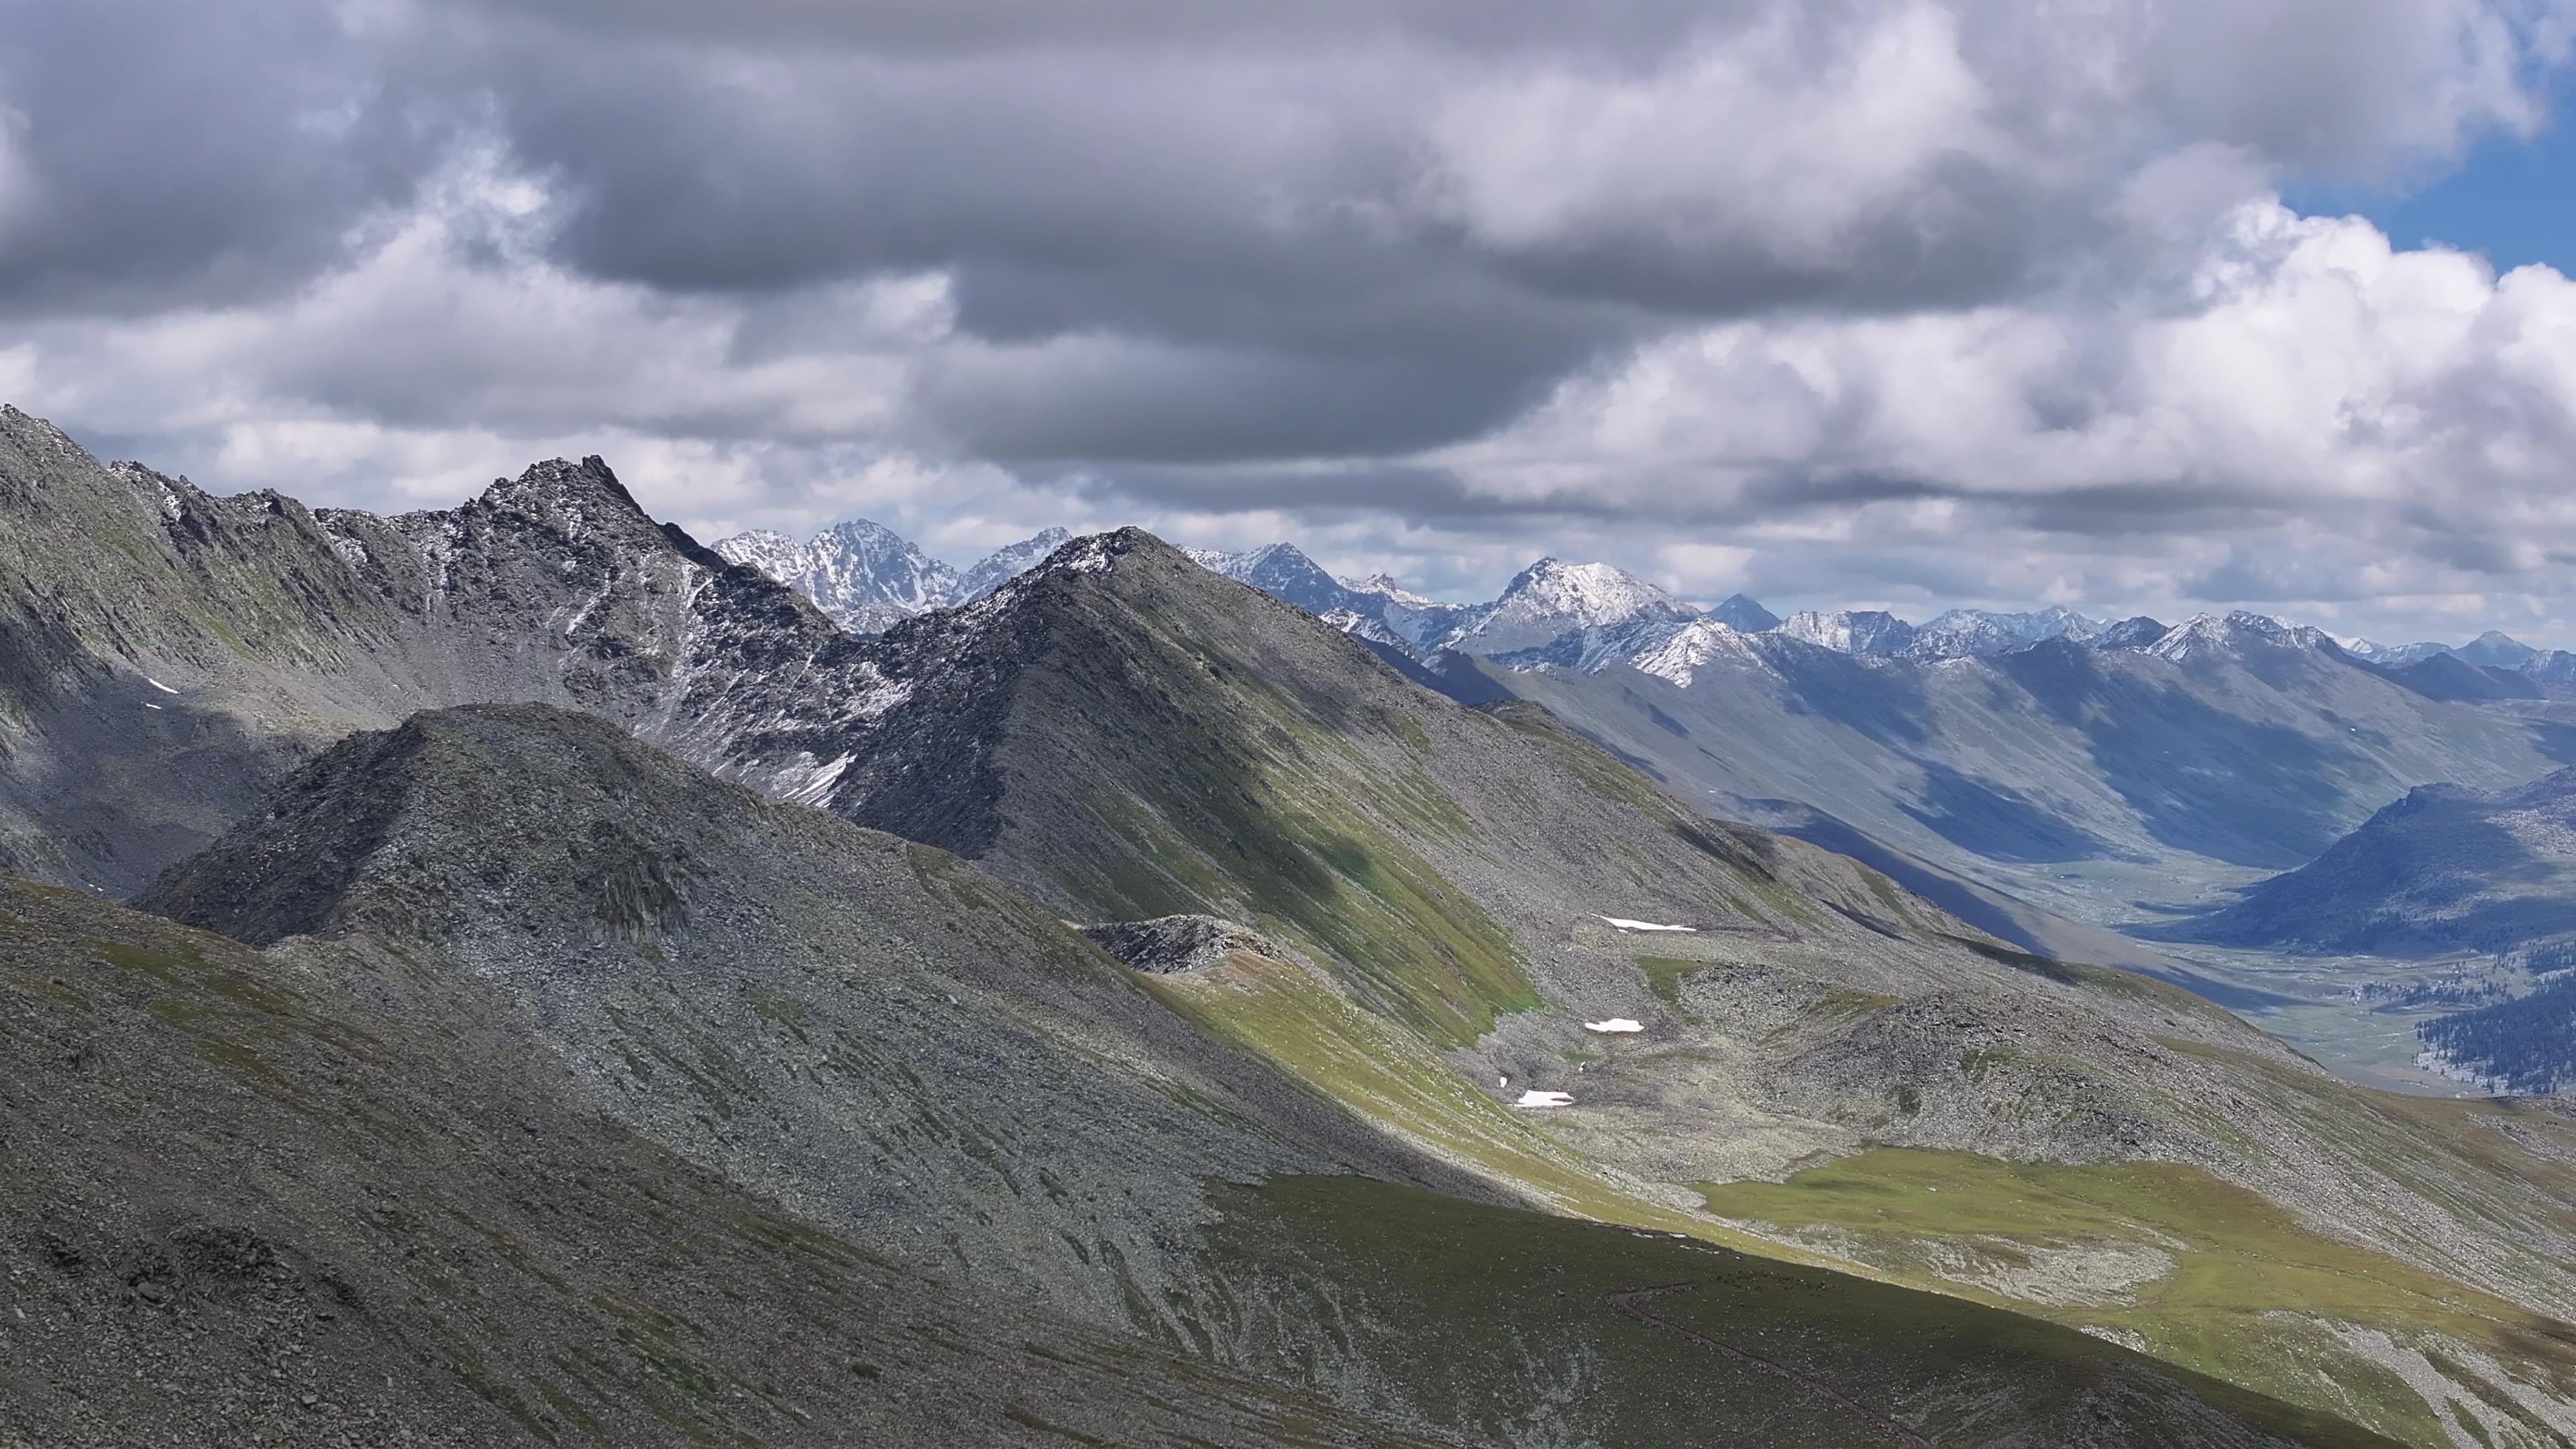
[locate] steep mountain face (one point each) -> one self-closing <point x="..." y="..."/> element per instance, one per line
<point x="1008" y="563"/>
<point x="866" y="577"/>
<point x="172" y="655"/>
<point x="1736" y="611"/>
<point x="1846" y="631"/>
<point x="2557" y="668"/>
<point x="940" y="1076"/>
<point x="2444" y="868"/>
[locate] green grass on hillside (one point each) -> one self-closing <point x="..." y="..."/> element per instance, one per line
<point x="2241" y="1299"/>
<point x="1394" y="1079"/>
<point x="1455" y="1297"/>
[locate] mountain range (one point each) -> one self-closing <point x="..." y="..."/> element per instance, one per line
<point x="869" y="578"/>
<point x="2044" y="775"/>
<point x="569" y="989"/>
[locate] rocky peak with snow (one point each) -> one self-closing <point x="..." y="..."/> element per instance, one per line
<point x="2136" y="632"/>
<point x="865" y="576"/>
<point x="1979" y="633"/>
<point x="1588" y="594"/>
<point x="1009" y="562"/>
<point x="765" y="549"/>
<point x="1384" y="586"/>
<point x="1552" y="599"/>
<point x="869" y="578"/>
<point x="2233" y="635"/>
<point x="1850" y="631"/>
<point x="1283" y="571"/>
<point x="2392" y="654"/>
<point x="1681" y="655"/>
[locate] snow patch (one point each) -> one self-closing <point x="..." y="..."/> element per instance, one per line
<point x="157" y="684"/>
<point x="1615" y="1026"/>
<point x="1545" y="1099"/>
<point x="1093" y="557"/>
<point x="877" y="693"/>
<point x="1628" y="925"/>
<point x="812" y="782"/>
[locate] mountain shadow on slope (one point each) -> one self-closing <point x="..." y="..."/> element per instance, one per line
<point x="2182" y="763"/>
<point x="2449" y="677"/>
<point x="1997" y="821"/>
<point x="2443" y="869"/>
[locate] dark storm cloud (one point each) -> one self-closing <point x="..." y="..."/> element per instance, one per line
<point x="160" y="153"/>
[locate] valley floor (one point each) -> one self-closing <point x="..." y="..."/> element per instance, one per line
<point x="2351" y="1013"/>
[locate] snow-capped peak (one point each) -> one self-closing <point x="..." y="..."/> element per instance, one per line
<point x="1963" y="633"/>
<point x="1850" y="631"/>
<point x="1585" y="594"/>
<point x="1551" y="600"/>
<point x="765" y="549"/>
<point x="1385" y="587"/>
<point x="1694" y="647"/>
<point x="869" y="578"/>
<point x="2205" y="635"/>
<point x="1009" y="562"/>
<point x="866" y="576"/>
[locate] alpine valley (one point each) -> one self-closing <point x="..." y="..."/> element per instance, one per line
<point x="517" y="975"/>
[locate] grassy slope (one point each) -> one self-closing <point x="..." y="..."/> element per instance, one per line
<point x="1433" y="1269"/>
<point x="2243" y="1295"/>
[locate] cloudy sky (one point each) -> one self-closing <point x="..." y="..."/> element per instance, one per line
<point x="2129" y="304"/>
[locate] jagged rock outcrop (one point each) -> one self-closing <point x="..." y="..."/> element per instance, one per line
<point x="1168" y="945"/>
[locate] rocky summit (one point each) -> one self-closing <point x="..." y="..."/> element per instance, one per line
<point x="514" y="975"/>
